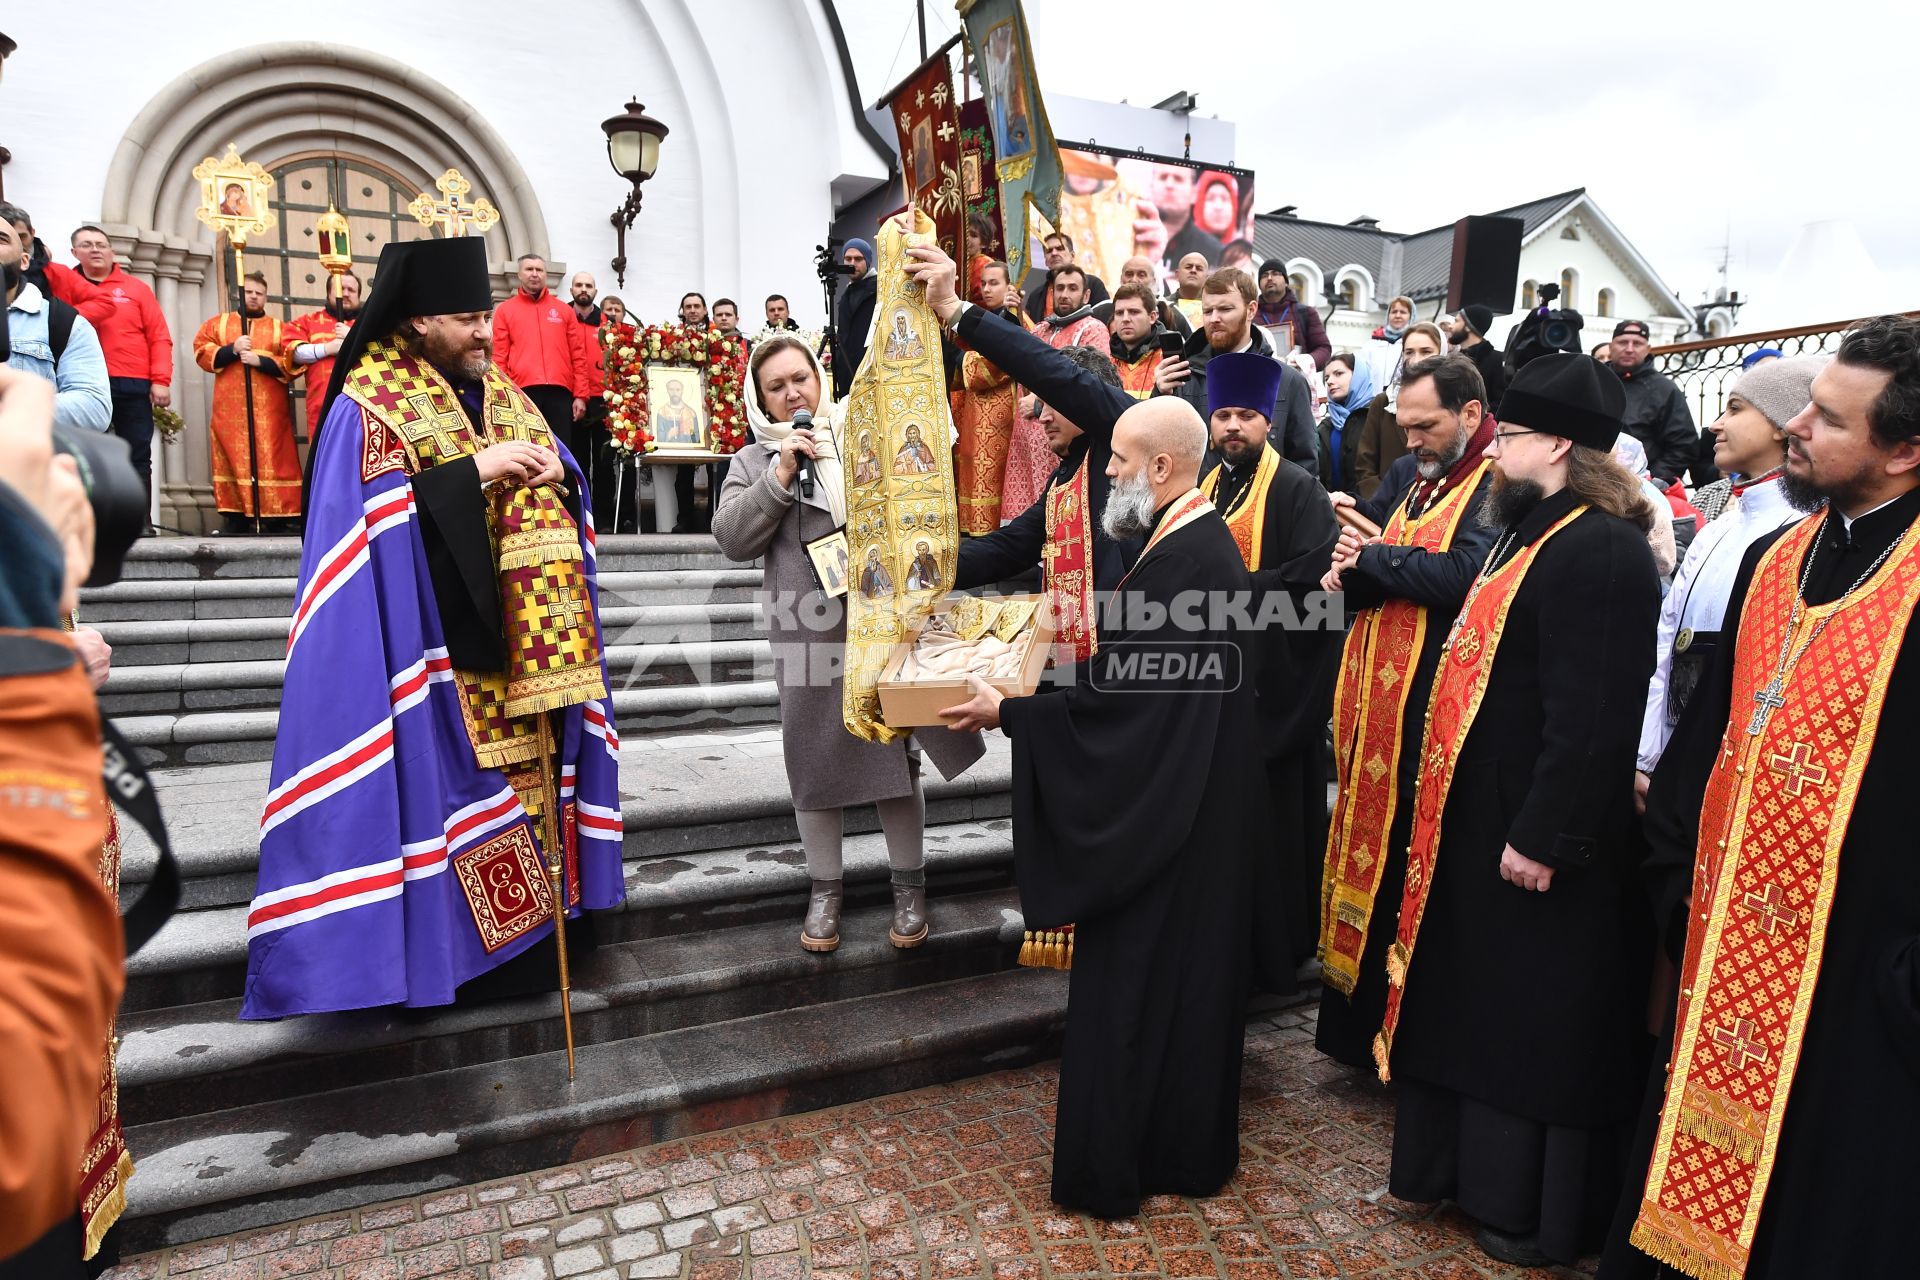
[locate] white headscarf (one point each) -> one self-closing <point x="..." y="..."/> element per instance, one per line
<point x="829" y="478"/>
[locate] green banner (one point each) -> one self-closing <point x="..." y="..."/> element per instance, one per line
<point x="1025" y="160"/>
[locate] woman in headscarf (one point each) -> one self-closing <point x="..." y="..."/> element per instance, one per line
<point x="1382" y="442"/>
<point x="1216" y="205"/>
<point x="1349" y="388"/>
<point x="765" y="513"/>
<point x="1632" y="455"/>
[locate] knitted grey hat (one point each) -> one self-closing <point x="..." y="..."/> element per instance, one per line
<point x="1780" y="388"/>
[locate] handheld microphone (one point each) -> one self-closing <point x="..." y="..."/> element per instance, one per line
<point x="805" y="419"/>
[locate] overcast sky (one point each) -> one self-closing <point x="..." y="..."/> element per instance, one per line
<point x="1683" y="119"/>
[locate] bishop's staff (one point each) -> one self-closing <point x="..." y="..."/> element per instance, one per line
<point x="452" y="215"/>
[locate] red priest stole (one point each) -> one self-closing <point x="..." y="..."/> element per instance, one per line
<point x="1067" y="561"/>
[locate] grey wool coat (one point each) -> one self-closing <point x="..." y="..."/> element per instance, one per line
<point x="827" y="767"/>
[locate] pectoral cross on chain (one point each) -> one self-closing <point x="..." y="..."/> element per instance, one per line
<point x="1770" y="700"/>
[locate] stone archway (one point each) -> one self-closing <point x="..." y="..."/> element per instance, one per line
<point x="276" y="101"/>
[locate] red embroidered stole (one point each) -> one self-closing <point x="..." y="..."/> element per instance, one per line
<point x="1247" y="521"/>
<point x="1066" y="558"/>
<point x="1466" y="664"/>
<point x="1369" y="710"/>
<point x="1772" y="824"/>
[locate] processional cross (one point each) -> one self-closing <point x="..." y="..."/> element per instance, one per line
<point x="452" y="214"/>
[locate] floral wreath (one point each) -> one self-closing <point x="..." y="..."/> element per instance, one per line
<point x="628" y="352"/>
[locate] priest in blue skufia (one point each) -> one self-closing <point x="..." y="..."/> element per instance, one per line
<point x="446" y="740"/>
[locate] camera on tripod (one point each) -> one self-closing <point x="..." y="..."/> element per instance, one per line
<point x="1547" y="329"/>
<point x="827" y="265"/>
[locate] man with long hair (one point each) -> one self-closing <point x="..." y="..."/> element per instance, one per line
<point x="1514" y="1026"/>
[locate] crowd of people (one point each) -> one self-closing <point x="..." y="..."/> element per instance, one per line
<point x="1633" y="817"/>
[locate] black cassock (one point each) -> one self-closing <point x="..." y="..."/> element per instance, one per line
<point x="1294" y="671"/>
<point x="1520" y="1053"/>
<point x="1438" y="581"/>
<point x="1833" y="1207"/>
<point x="1137" y="807"/>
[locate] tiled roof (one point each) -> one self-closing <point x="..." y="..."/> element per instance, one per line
<point x="1427" y="256"/>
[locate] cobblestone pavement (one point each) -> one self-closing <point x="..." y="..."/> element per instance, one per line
<point x="938" y="1184"/>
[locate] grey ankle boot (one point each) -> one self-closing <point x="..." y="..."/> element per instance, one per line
<point x="821" y="932"/>
<point x="909" y="908"/>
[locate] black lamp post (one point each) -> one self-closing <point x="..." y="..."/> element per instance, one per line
<point x="633" y="149"/>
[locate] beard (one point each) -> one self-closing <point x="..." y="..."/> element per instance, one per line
<point x="1129" y="511"/>
<point x="1508" y="501"/>
<point x="1804" y="493"/>
<point x="1228" y="340"/>
<point x="339" y="310"/>
<point x="458" y="361"/>
<point x="1432" y="465"/>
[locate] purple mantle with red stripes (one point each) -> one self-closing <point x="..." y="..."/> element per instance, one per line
<point x="375" y="793"/>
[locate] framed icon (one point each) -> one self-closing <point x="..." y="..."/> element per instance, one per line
<point x="677" y="407"/>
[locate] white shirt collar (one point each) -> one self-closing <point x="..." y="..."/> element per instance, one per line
<point x="1846" y="521"/>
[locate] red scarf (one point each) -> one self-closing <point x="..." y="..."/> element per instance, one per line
<point x="1425" y="491"/>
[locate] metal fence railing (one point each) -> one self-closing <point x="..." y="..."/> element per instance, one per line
<point x="1706" y="370"/>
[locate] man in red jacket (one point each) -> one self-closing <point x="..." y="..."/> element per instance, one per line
<point x="542" y="346"/>
<point x="314" y="340"/>
<point x="135" y="338"/>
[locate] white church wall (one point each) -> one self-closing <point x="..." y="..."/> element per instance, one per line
<point x="762" y="142"/>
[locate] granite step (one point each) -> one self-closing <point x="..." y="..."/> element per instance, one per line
<point x="236" y="736"/>
<point x="709" y="826"/>
<point x="270" y="1162"/>
<point x="161" y="599"/>
<point x="187" y="1059"/>
<point x="250" y="557"/>
<point x="206" y="683"/>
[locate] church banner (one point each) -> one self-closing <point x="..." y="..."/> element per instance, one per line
<point x="1121" y="204"/>
<point x="1026" y="162"/>
<point x="902" y="521"/>
<point x="923" y="109"/>
<point x="977" y="185"/>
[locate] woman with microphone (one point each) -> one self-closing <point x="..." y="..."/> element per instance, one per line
<point x="787" y="489"/>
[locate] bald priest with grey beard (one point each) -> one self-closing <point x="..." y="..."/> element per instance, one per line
<point x="1139" y="806"/>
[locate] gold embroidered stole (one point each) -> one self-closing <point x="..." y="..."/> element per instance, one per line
<point x="1466" y="664"/>
<point x="905" y="515"/>
<point x="1772" y="824"/>
<point x="1247" y="519"/>
<point x="1369" y="712"/>
<point x="553" y="640"/>
<point x="1066" y="561"/>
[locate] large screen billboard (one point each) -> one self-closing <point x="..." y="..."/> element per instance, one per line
<point x="1122" y="204"/>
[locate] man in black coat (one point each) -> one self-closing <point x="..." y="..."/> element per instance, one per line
<point x="1515" y="1023"/>
<point x="1138" y="812"/>
<point x="1656" y="414"/>
<point x="1080" y="396"/>
<point x="1059" y="250"/>
<point x="1401" y="589"/>
<point x="1845" y="914"/>
<point x="1226" y="299"/>
<point x="1468" y="334"/>
<point x="1283" y="524"/>
<point x="853" y="318"/>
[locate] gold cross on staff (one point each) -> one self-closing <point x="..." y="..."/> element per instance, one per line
<point x="1797" y="764"/>
<point x="1739" y="1042"/>
<point x="451" y="213"/>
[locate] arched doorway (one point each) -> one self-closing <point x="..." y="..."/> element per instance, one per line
<point x="292" y="107"/>
<point x="374" y="200"/>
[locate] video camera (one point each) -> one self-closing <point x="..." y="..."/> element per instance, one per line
<point x="106" y="470"/>
<point x="1547" y="329"/>
<point x="827" y="264"/>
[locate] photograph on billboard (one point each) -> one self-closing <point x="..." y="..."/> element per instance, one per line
<point x="1122" y="204"/>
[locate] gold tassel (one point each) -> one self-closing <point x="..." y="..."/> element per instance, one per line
<point x="109" y="1210"/>
<point x="1718" y="1133"/>
<point x="1398" y="958"/>
<point x="1026" y="950"/>
<point x="1381" y="1052"/>
<point x="1665" y="1249"/>
<point x="1337" y="977"/>
<point x="1069" y="963"/>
